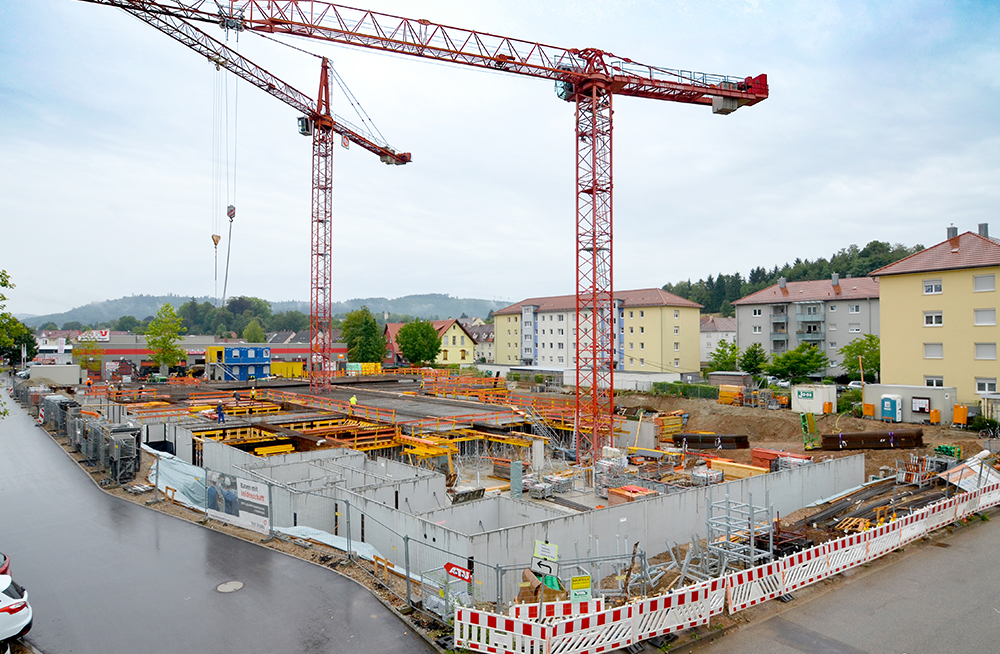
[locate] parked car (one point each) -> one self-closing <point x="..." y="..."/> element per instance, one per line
<point x="4" y="564"/>
<point x="15" y="612"/>
<point x="855" y="385"/>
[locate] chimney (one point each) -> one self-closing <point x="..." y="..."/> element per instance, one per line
<point x="781" y="282"/>
<point x="835" y="280"/>
<point x="984" y="230"/>
<point x="952" y="231"/>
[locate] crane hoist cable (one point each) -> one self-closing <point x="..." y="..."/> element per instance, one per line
<point x="230" y="200"/>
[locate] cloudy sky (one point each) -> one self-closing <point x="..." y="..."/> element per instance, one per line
<point x="882" y="123"/>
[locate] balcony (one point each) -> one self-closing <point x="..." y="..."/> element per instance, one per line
<point x="779" y="336"/>
<point x="779" y="317"/>
<point x="810" y="336"/>
<point x="810" y="313"/>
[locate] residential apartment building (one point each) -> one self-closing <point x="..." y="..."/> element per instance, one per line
<point x="655" y="331"/>
<point x="941" y="310"/>
<point x="482" y="337"/>
<point x="714" y="331"/>
<point x="829" y="313"/>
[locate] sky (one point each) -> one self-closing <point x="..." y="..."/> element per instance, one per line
<point x="116" y="150"/>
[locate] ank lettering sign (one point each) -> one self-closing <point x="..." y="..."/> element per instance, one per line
<point x="804" y="395"/>
<point x="458" y="572"/>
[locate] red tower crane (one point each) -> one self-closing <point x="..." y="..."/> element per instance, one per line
<point x="587" y="77"/>
<point x="316" y="121"/>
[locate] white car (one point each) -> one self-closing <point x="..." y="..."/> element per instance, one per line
<point x="854" y="385"/>
<point x="15" y="612"/>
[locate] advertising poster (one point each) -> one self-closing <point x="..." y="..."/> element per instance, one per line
<point x="238" y="501"/>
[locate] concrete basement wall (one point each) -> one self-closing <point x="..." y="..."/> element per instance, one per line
<point x="489" y="514"/>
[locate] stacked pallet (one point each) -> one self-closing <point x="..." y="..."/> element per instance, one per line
<point x="627" y="494"/>
<point x="729" y="394"/>
<point x="668" y="424"/>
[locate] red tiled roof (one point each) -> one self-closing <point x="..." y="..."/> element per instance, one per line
<point x="968" y="250"/>
<point x="853" y="288"/>
<point x="643" y="297"/>
<point x="714" y="324"/>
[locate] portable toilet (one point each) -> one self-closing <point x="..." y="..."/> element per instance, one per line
<point x="892" y="408"/>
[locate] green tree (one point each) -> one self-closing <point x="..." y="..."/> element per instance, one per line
<point x="419" y="342"/>
<point x="725" y="357"/>
<point x="88" y="353"/>
<point x="75" y="324"/>
<point x="49" y="326"/>
<point x="289" y="321"/>
<point x="162" y="335"/>
<point x="796" y="365"/>
<point x="126" y="324"/>
<point x="6" y="339"/>
<point x="365" y="340"/>
<point x="13" y="335"/>
<point x="753" y="359"/>
<point x="254" y="333"/>
<point x="868" y="347"/>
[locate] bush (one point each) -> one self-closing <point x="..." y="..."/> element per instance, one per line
<point x="978" y="423"/>
<point x="847" y="400"/>
<point x="514" y="376"/>
<point x="539" y="379"/>
<point x="679" y="389"/>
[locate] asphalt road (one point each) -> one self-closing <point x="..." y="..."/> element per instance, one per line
<point x="937" y="600"/>
<point x="108" y="576"/>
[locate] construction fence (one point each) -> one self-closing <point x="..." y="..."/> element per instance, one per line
<point x="590" y="629"/>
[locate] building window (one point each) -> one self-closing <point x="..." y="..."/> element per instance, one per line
<point x="631" y="330"/>
<point x="986" y="316"/>
<point x="987" y="351"/>
<point x="630" y="345"/>
<point x="933" y="350"/>
<point x="833" y="307"/>
<point x="561" y="317"/>
<point x="562" y="332"/>
<point x="833" y="344"/>
<point x="677" y="363"/>
<point x="933" y="318"/>
<point x="932" y="287"/>
<point x="642" y="314"/>
<point x="444" y="355"/>
<point x="527" y="350"/>
<point x="642" y="330"/>
<point x="642" y="346"/>
<point x="981" y="283"/>
<point x="677" y="314"/>
<point x="756" y="329"/>
<point x="854" y="308"/>
<point x="560" y="346"/>
<point x="854" y="327"/>
<point x="444" y="342"/>
<point x="986" y="384"/>
<point x="677" y="346"/>
<point x="677" y="330"/>
<point x="933" y="381"/>
<point x="462" y="353"/>
<point x="463" y="340"/>
<point x="757" y="312"/>
<point x="642" y="362"/>
<point x="832" y="326"/>
<point x="631" y="361"/>
<point x="812" y="310"/>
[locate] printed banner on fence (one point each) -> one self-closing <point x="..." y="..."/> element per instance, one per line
<point x="238" y="501"/>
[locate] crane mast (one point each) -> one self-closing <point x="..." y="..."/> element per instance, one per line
<point x="318" y="122"/>
<point x="587" y="77"/>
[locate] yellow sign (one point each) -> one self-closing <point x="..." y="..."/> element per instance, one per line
<point x="578" y="583"/>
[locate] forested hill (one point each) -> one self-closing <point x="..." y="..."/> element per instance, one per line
<point x="718" y="293"/>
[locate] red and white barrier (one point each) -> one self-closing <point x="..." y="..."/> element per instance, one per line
<point x="804" y="568"/>
<point x="687" y="607"/>
<point x="883" y="539"/>
<point x="600" y="632"/>
<point x="481" y="631"/>
<point x="753" y="586"/>
<point x="556" y="610"/>
<point x="847" y="552"/>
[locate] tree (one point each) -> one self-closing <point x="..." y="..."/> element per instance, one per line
<point x="725" y="357"/>
<point x="6" y="339"/>
<point x="869" y="348"/>
<point x="419" y="342"/>
<point x="75" y="325"/>
<point x="365" y="341"/>
<point x="49" y="326"/>
<point x="254" y="333"/>
<point x="289" y="321"/>
<point x="796" y="365"/>
<point x="753" y="359"/>
<point x="88" y="353"/>
<point x="126" y="324"/>
<point x="162" y="335"/>
<point x="14" y="334"/>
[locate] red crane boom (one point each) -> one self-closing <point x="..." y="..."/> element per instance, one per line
<point x="317" y="121"/>
<point x="588" y="77"/>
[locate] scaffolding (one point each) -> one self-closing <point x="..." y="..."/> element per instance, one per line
<point x="740" y="535"/>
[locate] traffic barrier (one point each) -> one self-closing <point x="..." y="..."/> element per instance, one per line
<point x="847" y="552"/>
<point x="556" y="609"/>
<point x="883" y="539"/>
<point x="487" y="632"/>
<point x="599" y="632"/>
<point x="688" y="607"/>
<point x="804" y="568"/>
<point x="748" y="587"/>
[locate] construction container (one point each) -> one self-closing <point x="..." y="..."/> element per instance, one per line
<point x="960" y="414"/>
<point x="812" y="398"/>
<point x="731" y="378"/>
<point x="935" y="416"/>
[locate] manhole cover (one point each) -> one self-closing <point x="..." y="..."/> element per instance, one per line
<point x="229" y="586"/>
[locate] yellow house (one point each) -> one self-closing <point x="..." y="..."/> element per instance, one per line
<point x="656" y="331"/>
<point x="939" y="316"/>
<point x="457" y="344"/>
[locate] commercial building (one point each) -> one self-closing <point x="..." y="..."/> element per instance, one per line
<point x="941" y="310"/>
<point x="828" y="313"/>
<point x="656" y="332"/>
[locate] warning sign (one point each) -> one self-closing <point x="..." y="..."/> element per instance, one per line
<point x="579" y="589"/>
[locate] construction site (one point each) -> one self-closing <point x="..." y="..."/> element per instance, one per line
<point x="457" y="492"/>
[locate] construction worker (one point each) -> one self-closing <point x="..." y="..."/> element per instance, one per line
<point x="354" y="400"/>
<point x="221" y="414"/>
